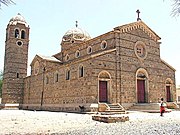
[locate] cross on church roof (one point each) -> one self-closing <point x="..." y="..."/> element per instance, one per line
<point x="76" y="24"/>
<point x="138" y="12"/>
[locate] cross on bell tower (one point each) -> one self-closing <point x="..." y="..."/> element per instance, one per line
<point x="138" y="12"/>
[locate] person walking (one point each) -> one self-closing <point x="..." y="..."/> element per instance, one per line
<point x="162" y="107"/>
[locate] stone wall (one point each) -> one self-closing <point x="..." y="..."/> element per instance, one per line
<point x="157" y="71"/>
<point x="118" y="59"/>
<point x="15" y="64"/>
<point x="78" y="91"/>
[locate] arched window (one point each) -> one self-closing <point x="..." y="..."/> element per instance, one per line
<point x="16" y="33"/>
<point x="66" y="57"/>
<point x="81" y="71"/>
<point x="103" y="45"/>
<point x="17" y="75"/>
<point x="47" y="79"/>
<point x="67" y="74"/>
<point x="23" y="34"/>
<point x="56" y="77"/>
<point x="36" y="67"/>
<point x="77" y="54"/>
<point x="89" y="50"/>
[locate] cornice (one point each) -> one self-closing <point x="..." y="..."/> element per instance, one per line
<point x="138" y="25"/>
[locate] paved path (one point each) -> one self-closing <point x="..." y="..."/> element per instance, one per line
<point x="40" y="122"/>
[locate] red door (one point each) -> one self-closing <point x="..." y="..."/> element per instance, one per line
<point x="168" y="94"/>
<point x="102" y="91"/>
<point x="141" y="91"/>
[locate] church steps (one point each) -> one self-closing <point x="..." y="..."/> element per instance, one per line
<point x="113" y="109"/>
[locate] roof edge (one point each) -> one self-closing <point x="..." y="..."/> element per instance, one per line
<point x="168" y="65"/>
<point x="136" y="25"/>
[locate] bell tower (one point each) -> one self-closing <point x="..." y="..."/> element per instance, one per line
<point x="15" y="60"/>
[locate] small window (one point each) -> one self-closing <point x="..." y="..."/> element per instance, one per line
<point x="103" y="44"/>
<point x="89" y="50"/>
<point x="17" y="75"/>
<point x="77" y="54"/>
<point x="67" y="74"/>
<point x="22" y="34"/>
<point x="16" y="33"/>
<point x="47" y="80"/>
<point x="36" y="67"/>
<point x="81" y="71"/>
<point x="67" y="57"/>
<point x="56" y="77"/>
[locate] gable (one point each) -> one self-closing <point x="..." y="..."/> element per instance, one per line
<point x="167" y="65"/>
<point x="36" y="58"/>
<point x="135" y="26"/>
<point x="46" y="58"/>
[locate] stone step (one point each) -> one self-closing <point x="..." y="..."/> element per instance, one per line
<point x="115" y="108"/>
<point x="9" y="106"/>
<point x="145" y="106"/>
<point x="110" y="118"/>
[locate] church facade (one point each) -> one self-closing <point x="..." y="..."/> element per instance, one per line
<point x="121" y="66"/>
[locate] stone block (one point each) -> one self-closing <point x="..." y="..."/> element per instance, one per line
<point x="110" y="118"/>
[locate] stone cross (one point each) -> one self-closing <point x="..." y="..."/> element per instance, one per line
<point x="76" y="24"/>
<point x="138" y="12"/>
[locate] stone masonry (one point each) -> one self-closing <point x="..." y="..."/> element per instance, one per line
<point x="121" y="66"/>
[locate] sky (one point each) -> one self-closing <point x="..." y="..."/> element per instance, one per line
<point x="49" y="20"/>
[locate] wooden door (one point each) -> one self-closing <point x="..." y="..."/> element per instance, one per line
<point x="102" y="91"/>
<point x="168" y="94"/>
<point x="141" y="91"/>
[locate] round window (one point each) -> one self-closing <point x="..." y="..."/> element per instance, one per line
<point x="19" y="43"/>
<point x="140" y="50"/>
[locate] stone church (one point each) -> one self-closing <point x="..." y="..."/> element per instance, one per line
<point x="122" y="66"/>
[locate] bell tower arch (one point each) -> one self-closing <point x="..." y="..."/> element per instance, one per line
<point x="15" y="60"/>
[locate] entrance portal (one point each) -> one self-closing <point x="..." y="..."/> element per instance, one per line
<point x="141" y="91"/>
<point x="168" y="94"/>
<point x="103" y="91"/>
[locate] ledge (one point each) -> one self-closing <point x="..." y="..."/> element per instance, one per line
<point x="110" y="118"/>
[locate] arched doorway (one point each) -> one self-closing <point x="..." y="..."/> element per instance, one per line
<point x="142" y="86"/>
<point x="104" y="86"/>
<point x="168" y="90"/>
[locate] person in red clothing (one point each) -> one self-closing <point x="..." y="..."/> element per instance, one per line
<point x="162" y="107"/>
